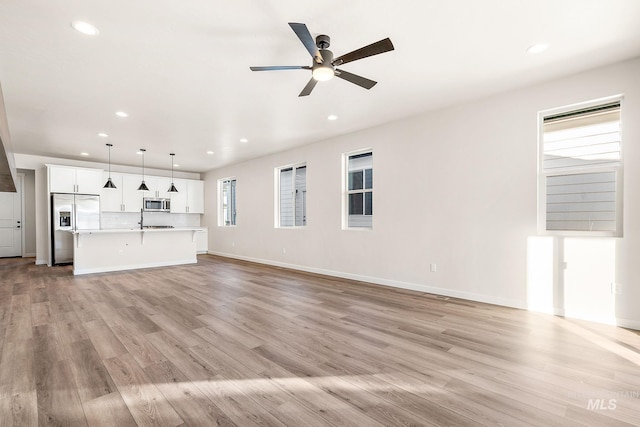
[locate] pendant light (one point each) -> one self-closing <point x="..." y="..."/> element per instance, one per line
<point x="172" y="188"/>
<point x="143" y="186"/>
<point x="109" y="183"/>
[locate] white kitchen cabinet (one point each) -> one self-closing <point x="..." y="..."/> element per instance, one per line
<point x="111" y="198"/>
<point x="195" y="196"/>
<point x="189" y="198"/>
<point x="131" y="197"/>
<point x="66" y="179"/>
<point x="125" y="197"/>
<point x="158" y="187"/>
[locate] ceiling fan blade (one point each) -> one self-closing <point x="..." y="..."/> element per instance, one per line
<point x="307" y="40"/>
<point x="356" y="79"/>
<point x="373" y="49"/>
<point x="309" y="87"/>
<point x="280" y="67"/>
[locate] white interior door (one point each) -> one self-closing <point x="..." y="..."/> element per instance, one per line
<point x="11" y="222"/>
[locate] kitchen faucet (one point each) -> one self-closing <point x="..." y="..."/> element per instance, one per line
<point x="141" y="219"/>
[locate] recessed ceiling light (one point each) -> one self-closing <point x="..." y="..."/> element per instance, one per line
<point x="121" y="114"/>
<point x="538" y="48"/>
<point x="84" y="154"/>
<point x="244" y="140"/>
<point x="332" y="117"/>
<point x="210" y="152"/>
<point x="102" y="134"/>
<point x="176" y="166"/>
<point x="85" y="28"/>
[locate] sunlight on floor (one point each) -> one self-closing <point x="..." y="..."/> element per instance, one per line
<point x="309" y="386"/>
<point x="602" y="342"/>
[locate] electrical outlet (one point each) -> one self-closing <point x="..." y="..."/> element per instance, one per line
<point x="433" y="267"/>
<point x="233" y="244"/>
<point x="284" y="250"/>
<point x="616" y="288"/>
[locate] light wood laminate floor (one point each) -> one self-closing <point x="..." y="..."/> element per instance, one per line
<point x="226" y="342"/>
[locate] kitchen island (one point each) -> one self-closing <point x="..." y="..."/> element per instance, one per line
<point x="98" y="251"/>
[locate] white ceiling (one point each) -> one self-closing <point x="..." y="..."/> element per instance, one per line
<point x="181" y="68"/>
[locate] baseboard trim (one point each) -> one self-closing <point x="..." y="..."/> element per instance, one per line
<point x="488" y="299"/>
<point x="628" y="323"/>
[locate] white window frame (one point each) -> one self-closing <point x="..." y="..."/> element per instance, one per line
<point x="543" y="175"/>
<point x="221" y="202"/>
<point x="278" y="192"/>
<point x="346" y="192"/>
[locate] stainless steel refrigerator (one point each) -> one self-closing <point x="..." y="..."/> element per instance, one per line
<point x="70" y="212"/>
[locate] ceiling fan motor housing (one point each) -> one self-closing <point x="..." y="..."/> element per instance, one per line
<point x="323" y="41"/>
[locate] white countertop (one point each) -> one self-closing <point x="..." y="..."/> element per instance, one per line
<point x="136" y="230"/>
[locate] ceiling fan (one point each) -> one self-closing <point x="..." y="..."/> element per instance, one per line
<point x="324" y="64"/>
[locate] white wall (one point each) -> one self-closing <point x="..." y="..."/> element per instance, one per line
<point x="455" y="187"/>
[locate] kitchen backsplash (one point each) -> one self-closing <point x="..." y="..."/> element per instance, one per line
<point x="131" y="220"/>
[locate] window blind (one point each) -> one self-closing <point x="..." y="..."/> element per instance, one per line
<point x="581" y="161"/>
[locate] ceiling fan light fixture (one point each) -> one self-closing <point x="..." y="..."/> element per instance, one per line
<point x="323" y="73"/>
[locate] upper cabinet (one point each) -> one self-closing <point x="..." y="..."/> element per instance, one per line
<point x="189" y="198"/>
<point x="131" y="196"/>
<point x="111" y="198"/>
<point x="65" y="179"/>
<point x="195" y="196"/>
<point x="158" y="187"/>
<point x="125" y="197"/>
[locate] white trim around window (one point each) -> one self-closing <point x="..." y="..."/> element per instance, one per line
<point x="291" y="196"/>
<point x="357" y="185"/>
<point x="227" y="202"/>
<point x="580" y="169"/>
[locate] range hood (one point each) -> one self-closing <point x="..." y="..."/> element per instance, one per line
<point x="7" y="161"/>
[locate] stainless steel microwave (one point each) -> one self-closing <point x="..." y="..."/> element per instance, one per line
<point x="157" y="205"/>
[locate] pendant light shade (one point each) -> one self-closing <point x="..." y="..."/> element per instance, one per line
<point x="143" y="186"/>
<point x="172" y="188"/>
<point x="109" y="183"/>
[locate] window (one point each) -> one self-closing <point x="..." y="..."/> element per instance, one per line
<point x="359" y="190"/>
<point x="580" y="183"/>
<point x="227" y="202"/>
<point x="293" y="196"/>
